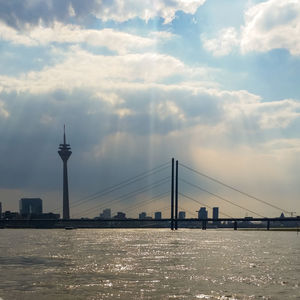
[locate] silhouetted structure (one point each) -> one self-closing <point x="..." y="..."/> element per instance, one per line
<point x="215" y="214"/>
<point x="120" y="215"/>
<point x="181" y="215"/>
<point x="176" y="195"/>
<point x="106" y="214"/>
<point x="172" y="195"/>
<point x="65" y="152"/>
<point x="0" y="210"/>
<point x="157" y="215"/>
<point x="202" y="213"/>
<point x="31" y="206"/>
<point x="47" y="216"/>
<point x="11" y="215"/>
<point x="142" y="215"/>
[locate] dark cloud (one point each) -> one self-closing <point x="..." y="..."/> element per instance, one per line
<point x="17" y="13"/>
<point x="107" y="147"/>
<point x="31" y="135"/>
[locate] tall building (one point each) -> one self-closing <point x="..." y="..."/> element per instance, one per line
<point x="202" y="213"/>
<point x="65" y="152"/>
<point x="106" y="214"/>
<point x="142" y="215"/>
<point x="157" y="215"/>
<point x="181" y="215"/>
<point x="31" y="206"/>
<point x="215" y="215"/>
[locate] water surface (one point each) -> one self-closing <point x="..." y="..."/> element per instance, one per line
<point x="148" y="264"/>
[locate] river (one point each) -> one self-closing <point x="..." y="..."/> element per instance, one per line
<point x="148" y="264"/>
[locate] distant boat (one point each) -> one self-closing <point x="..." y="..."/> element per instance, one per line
<point x="70" y="228"/>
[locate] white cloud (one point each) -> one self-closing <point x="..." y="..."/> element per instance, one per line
<point x="223" y="44"/>
<point x="260" y="116"/>
<point x="278" y="114"/>
<point x="8" y="33"/>
<point x="3" y="112"/>
<point x="127" y="84"/>
<point x="120" y="42"/>
<point x="168" y="108"/>
<point x="103" y="71"/>
<point x="273" y="24"/>
<point x="124" y="10"/>
<point x="283" y="148"/>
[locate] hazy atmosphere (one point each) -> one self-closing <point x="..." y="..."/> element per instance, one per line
<point x="213" y="83"/>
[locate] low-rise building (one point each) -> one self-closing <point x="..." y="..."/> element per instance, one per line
<point x="157" y="215"/>
<point x="181" y="215"/>
<point x="120" y="215"/>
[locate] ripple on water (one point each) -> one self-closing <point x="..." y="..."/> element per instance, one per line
<point x="148" y="264"/>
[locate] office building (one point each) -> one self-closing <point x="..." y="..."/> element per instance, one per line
<point x="142" y="216"/>
<point x="10" y="215"/>
<point x="106" y="214"/>
<point x="31" y="206"/>
<point x="215" y="213"/>
<point x="181" y="215"/>
<point x="157" y="215"/>
<point x="202" y="213"/>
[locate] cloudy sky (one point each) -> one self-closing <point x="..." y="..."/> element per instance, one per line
<point x="213" y="83"/>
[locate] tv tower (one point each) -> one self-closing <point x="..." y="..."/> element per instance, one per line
<point x="64" y="153"/>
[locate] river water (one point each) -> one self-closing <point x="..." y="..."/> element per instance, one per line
<point x="148" y="264"/>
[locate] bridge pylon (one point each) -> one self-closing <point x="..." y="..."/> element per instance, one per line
<point x="172" y="195"/>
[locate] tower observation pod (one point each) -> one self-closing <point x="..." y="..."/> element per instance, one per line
<point x="65" y="152"/>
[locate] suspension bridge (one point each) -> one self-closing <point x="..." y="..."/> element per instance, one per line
<point x="168" y="188"/>
<point x="170" y="191"/>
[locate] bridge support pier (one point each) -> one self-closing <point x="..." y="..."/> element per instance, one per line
<point x="268" y="225"/>
<point x="235" y="225"/>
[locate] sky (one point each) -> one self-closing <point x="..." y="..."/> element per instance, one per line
<point x="213" y="83"/>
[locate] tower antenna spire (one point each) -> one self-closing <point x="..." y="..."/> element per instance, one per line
<point x="64" y="133"/>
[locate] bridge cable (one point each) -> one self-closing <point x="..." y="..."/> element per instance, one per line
<point x="161" y="210"/>
<point x="233" y="188"/>
<point x="152" y="199"/>
<point x="119" y="185"/>
<point x="221" y="198"/>
<point x="131" y="194"/>
<point x="189" y="211"/>
<point x="128" y="195"/>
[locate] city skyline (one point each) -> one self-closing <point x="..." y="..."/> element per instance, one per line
<point x="212" y="83"/>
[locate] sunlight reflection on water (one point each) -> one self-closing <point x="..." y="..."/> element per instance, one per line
<point x="148" y="264"/>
